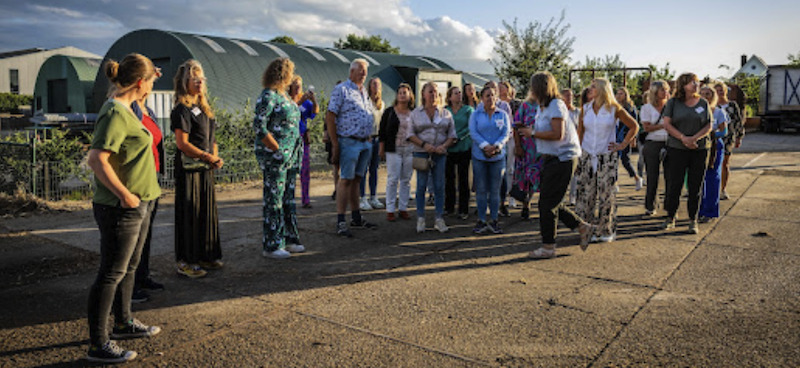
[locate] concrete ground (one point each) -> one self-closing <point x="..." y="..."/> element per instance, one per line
<point x="390" y="297"/>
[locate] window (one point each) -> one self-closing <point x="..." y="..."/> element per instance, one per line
<point x="13" y="77"/>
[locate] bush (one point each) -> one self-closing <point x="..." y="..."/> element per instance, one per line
<point x="10" y="102"/>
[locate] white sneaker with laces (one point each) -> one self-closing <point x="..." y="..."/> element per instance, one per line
<point x="364" y="205"/>
<point x="440" y="225"/>
<point x="542" y="253"/>
<point x="376" y="204"/>
<point x="296" y="248"/>
<point x="277" y="254"/>
<point x="607" y="238"/>
<point x="420" y="224"/>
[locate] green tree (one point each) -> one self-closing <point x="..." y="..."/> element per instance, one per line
<point x="581" y="80"/>
<point x="794" y="60"/>
<point x="539" y="46"/>
<point x="284" y="39"/>
<point x="366" y="43"/>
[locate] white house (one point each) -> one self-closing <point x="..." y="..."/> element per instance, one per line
<point x="755" y="66"/>
<point x="18" y="69"/>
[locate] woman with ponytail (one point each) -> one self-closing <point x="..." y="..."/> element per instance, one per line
<point x="121" y="157"/>
<point x="197" y="246"/>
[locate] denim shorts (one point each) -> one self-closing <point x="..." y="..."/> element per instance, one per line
<point x="354" y="157"/>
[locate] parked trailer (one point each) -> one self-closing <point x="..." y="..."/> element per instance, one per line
<point x="779" y="105"/>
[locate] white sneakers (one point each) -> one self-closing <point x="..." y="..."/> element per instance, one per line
<point x="376" y="204"/>
<point x="296" y="248"/>
<point x="370" y="204"/>
<point x="364" y="205"/>
<point x="420" y="224"/>
<point x="607" y="238"/>
<point x="276" y="254"/>
<point x="440" y="225"/>
<point x="639" y="183"/>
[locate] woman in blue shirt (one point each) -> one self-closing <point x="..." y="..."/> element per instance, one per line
<point x="489" y="129"/>
<point x="709" y="204"/>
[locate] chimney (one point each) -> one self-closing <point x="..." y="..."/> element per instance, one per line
<point x="744" y="59"/>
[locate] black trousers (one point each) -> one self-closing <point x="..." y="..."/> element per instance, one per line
<point x="556" y="176"/>
<point x="122" y="235"/>
<point x="652" y="161"/>
<point x="689" y="164"/>
<point x="456" y="174"/>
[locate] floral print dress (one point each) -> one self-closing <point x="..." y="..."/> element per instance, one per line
<point x="528" y="168"/>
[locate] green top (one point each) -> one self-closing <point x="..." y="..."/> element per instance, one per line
<point x="461" y="121"/>
<point x="119" y="131"/>
<point x="689" y="121"/>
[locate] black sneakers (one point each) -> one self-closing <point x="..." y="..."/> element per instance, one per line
<point x="133" y="329"/>
<point x="342" y="230"/>
<point x="364" y="224"/>
<point x="149" y="284"/>
<point x="139" y="296"/>
<point x="109" y="353"/>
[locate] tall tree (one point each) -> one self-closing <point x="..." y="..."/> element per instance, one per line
<point x="539" y="46"/>
<point x="284" y="39"/>
<point x="366" y="43"/>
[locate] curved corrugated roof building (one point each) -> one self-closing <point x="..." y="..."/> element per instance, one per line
<point x="234" y="66"/>
<point x="64" y="84"/>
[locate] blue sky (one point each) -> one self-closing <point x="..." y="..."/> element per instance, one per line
<point x="693" y="36"/>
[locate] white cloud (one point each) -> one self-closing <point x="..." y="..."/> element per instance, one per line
<point x="311" y="22"/>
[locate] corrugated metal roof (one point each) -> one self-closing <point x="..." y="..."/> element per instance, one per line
<point x="234" y="67"/>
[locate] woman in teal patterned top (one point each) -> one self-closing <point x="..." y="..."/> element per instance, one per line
<point x="278" y="148"/>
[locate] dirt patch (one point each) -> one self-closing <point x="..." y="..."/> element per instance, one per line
<point x="22" y="205"/>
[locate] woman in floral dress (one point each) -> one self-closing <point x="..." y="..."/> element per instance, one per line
<point x="529" y="163"/>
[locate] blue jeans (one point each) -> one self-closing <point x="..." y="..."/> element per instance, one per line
<point x="487" y="176"/>
<point x="437" y="173"/>
<point x="372" y="170"/>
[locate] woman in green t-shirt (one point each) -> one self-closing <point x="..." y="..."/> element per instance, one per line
<point x="121" y="157"/>
<point x="687" y="120"/>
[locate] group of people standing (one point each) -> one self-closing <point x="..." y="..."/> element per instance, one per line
<point x="516" y="148"/>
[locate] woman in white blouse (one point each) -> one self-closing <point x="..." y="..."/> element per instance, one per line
<point x="597" y="167"/>
<point x="655" y="143"/>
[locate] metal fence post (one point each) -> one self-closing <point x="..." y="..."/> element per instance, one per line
<point x="33" y="165"/>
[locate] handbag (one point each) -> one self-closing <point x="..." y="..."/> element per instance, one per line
<point x="193" y="164"/>
<point x="517" y="193"/>
<point x="422" y="163"/>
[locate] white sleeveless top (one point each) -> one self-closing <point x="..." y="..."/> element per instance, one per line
<point x="599" y="130"/>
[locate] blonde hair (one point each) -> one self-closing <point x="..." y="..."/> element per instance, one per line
<point x="183" y="77"/>
<point x="605" y="95"/>
<point x="437" y="101"/>
<point x="652" y="93"/>
<point x="713" y="102"/>
<point x="723" y="85"/>
<point x="377" y="99"/>
<point x="628" y="101"/>
<point x="278" y="75"/>
<point x="125" y="74"/>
